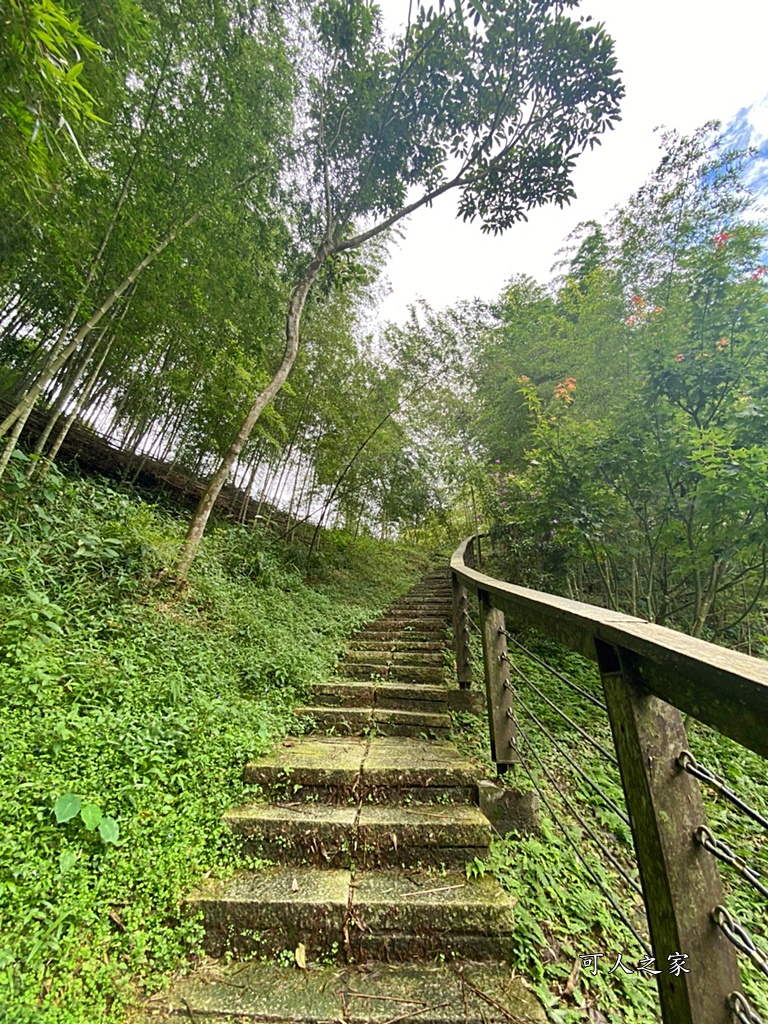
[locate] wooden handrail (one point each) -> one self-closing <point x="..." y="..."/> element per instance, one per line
<point x="649" y="674"/>
<point x="723" y="688"/>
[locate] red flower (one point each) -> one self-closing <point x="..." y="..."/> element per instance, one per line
<point x="721" y="239"/>
<point x="679" y="357"/>
<point x="723" y="343"/>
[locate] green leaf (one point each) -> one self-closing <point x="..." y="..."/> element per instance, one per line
<point x="109" y="830"/>
<point x="67" y="860"/>
<point x="67" y="807"/>
<point x="91" y="815"/>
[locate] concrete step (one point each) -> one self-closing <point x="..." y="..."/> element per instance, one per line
<point x="373" y="915"/>
<point x="465" y="993"/>
<point x="364" y="670"/>
<point x="371" y="836"/>
<point x="389" y="634"/>
<point x="381" y="721"/>
<point x="422" y="613"/>
<point x="393" y="643"/>
<point x="436" y="603"/>
<point x="348" y="693"/>
<point x="386" y="657"/>
<point x="380" y="769"/>
<point x="408" y="624"/>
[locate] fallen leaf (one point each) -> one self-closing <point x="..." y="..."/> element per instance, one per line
<point x="393" y="837"/>
<point x="294" y="886"/>
<point x="301" y="956"/>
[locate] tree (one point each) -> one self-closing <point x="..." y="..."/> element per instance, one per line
<point x="645" y="469"/>
<point x="494" y="101"/>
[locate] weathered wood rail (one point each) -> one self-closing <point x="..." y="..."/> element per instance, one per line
<point x="649" y="674"/>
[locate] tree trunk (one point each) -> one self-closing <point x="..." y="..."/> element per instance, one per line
<point x="81" y="402"/>
<point x="69" y="383"/>
<point x="293" y="321"/>
<point x="24" y="407"/>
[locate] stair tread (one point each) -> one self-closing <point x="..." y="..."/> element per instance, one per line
<point x="371" y="995"/>
<point x="382" y="761"/>
<point x="396" y="689"/>
<point x="384" y="815"/>
<point x="434" y="718"/>
<point x="449" y="901"/>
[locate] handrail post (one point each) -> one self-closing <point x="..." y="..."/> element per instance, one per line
<point x="464" y="675"/>
<point x="498" y="685"/>
<point x="680" y="879"/>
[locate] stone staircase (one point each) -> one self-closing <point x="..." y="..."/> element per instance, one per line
<point x="367" y="916"/>
<point x="393" y="676"/>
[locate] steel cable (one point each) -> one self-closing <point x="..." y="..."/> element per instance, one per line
<point x="588" y="829"/>
<point x="570" y="721"/>
<point x="558" y="675"/>
<point x="622" y="916"/>
<point x="687" y="761"/>
<point x="736" y="933"/>
<point x="723" y="852"/>
<point x="613" y="806"/>
<point x="742" y="1011"/>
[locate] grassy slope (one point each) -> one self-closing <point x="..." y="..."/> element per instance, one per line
<point x="145" y="706"/>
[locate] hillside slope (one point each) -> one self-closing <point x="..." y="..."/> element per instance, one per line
<point x="130" y="712"/>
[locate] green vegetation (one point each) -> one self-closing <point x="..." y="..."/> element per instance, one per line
<point x="158" y="281"/>
<point x="624" y="410"/>
<point x="128" y="716"/>
<point x="196" y="201"/>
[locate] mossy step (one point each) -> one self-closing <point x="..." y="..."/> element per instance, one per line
<point x="367" y="670"/>
<point x="368" y="837"/>
<point x="465" y="993"/>
<point x="418" y="614"/>
<point x="387" y="721"/>
<point x="382" y="655"/>
<point x="387" y="915"/>
<point x="349" y="693"/>
<point x="408" y="623"/>
<point x="406" y="639"/>
<point x="398" y="644"/>
<point x="381" y="768"/>
<point x="442" y="604"/>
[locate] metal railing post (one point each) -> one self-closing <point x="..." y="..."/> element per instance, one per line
<point x="680" y="881"/>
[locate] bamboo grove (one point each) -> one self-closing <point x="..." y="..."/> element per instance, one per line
<point x="190" y="191"/>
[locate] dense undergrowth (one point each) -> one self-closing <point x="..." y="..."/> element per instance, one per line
<point x="561" y="914"/>
<point x="128" y="713"/>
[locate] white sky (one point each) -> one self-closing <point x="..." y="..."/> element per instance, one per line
<point x="684" y="62"/>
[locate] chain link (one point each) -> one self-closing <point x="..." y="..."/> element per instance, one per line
<point x="742" y="1011"/>
<point x="688" y="762"/>
<point x="724" y="853"/>
<point x="740" y="937"/>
